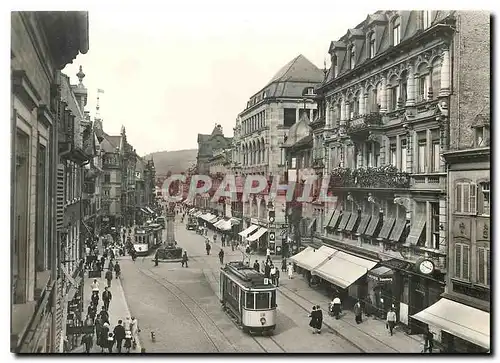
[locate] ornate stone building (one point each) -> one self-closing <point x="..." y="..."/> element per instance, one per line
<point x="41" y="128"/>
<point x="260" y="132"/>
<point x="385" y="108"/>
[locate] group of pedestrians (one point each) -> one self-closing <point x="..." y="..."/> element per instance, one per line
<point x="316" y="322"/>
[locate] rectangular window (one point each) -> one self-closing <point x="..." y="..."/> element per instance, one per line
<point x="436" y="156"/>
<point x="403" y="155"/>
<point x="465" y="198"/>
<point x="483" y="266"/>
<point x="482" y="136"/>
<point x="41" y="227"/>
<point x="423" y="87"/>
<point x="262" y="300"/>
<point x="250" y="300"/>
<point x="422" y="151"/>
<point x="435" y="225"/>
<point x="369" y="155"/>
<point x="393" y="155"/>
<point x="396" y="34"/>
<point x="485" y="199"/>
<point x="462" y="258"/>
<point x="290" y="117"/>
<point x="294" y="163"/>
<point x="353" y="57"/>
<point x="426" y="18"/>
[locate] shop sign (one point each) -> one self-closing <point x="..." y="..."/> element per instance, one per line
<point x="254" y="221"/>
<point x="379" y="278"/>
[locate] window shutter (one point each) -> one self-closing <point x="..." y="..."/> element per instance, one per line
<point x="488" y="267"/>
<point x="60" y="197"/>
<point x="473" y="198"/>
<point x="480" y="266"/>
<point x="458" y="198"/>
<point x="458" y="260"/>
<point x="465" y="259"/>
<point x="466" y="196"/>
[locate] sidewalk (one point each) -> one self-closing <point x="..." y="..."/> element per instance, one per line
<point x="118" y="309"/>
<point x="371" y="336"/>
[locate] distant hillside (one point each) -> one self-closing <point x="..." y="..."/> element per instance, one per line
<point x="174" y="161"/>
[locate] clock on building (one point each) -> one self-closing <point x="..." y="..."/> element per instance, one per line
<point x="426" y="267"/>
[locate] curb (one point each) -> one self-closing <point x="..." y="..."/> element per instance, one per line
<point x="128" y="310"/>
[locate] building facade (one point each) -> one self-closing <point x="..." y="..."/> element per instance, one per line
<point x="43" y="125"/>
<point x="260" y="133"/>
<point x="386" y="106"/>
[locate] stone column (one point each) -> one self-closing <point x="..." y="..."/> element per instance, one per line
<point x="398" y="152"/>
<point x="327" y="114"/>
<point x="445" y="74"/>
<point x="410" y="100"/>
<point x="297" y="113"/>
<point x="347" y="111"/>
<point x="359" y="156"/>
<point x="383" y="97"/>
<point x="362" y="102"/>
<point x="311" y="113"/>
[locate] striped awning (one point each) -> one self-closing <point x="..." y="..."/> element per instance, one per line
<point x="257" y="234"/>
<point x="249" y="230"/>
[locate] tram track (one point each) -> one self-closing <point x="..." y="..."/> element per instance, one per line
<point x="164" y="283"/>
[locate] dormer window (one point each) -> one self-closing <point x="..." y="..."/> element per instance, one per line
<point x="352" y="57"/>
<point x="371" y="45"/>
<point x="310" y="91"/>
<point x="335" y="68"/>
<point x="426" y="19"/>
<point x="396" y="31"/>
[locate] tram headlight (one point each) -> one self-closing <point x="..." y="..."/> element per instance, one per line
<point x="263" y="321"/>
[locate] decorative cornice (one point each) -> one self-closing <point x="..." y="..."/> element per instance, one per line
<point x="24" y="89"/>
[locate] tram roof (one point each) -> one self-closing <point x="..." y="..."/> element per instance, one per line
<point x="246" y="275"/>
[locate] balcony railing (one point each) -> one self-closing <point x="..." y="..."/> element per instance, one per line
<point x="363" y="122"/>
<point x="382" y="177"/>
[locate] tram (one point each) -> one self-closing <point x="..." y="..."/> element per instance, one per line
<point x="143" y="241"/>
<point x="157" y="232"/>
<point x="248" y="296"/>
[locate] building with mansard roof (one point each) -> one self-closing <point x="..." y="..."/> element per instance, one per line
<point x="390" y="108"/>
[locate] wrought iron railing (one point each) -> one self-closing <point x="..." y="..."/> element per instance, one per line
<point x="381" y="177"/>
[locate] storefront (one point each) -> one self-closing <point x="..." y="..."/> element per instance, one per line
<point x="462" y="328"/>
<point x="379" y="297"/>
<point x="248" y="231"/>
<point x="258" y="240"/>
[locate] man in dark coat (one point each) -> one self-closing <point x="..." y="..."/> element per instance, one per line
<point x="88" y="341"/>
<point x="106" y="298"/>
<point x="314" y="320"/>
<point x="119" y="333"/>
<point x="185" y="259"/>
<point x="221" y="256"/>
<point x="104" y="316"/>
<point x="358" y="312"/>
<point x="267" y="270"/>
<point x="256" y="266"/>
<point x="103" y="261"/>
<point x="319" y="321"/>
<point x="109" y="277"/>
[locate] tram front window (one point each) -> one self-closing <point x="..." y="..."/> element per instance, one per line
<point x="261" y="300"/>
<point x="273" y="299"/>
<point x="250" y="303"/>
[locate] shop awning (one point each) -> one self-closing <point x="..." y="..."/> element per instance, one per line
<point x="234" y="221"/>
<point x="365" y="220"/>
<point x="249" y="230"/>
<point x="352" y="221"/>
<point x="257" y="235"/>
<point x="334" y="219"/>
<point x="381" y="274"/>
<point x="344" y="220"/>
<point x="144" y="211"/>
<point x="343" y="269"/>
<point x="311" y="225"/>
<point x="216" y="225"/>
<point x="213" y="219"/>
<point x="372" y="226"/>
<point x="463" y="321"/>
<point x="192" y="211"/>
<point x="224" y="225"/>
<point x="386" y="229"/>
<point x="198" y="214"/>
<point x="310" y="258"/>
<point x="417" y="226"/>
<point x="398" y="229"/>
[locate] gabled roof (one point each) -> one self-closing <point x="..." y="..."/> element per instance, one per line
<point x="114" y="140"/>
<point x="299" y="69"/>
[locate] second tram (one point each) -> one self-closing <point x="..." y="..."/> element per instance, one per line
<point x="143" y="241"/>
<point x="249" y="296"/>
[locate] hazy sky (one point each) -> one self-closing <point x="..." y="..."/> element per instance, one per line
<point x="171" y="74"/>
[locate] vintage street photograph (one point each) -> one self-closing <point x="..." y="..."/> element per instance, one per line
<point x="250" y="177"/>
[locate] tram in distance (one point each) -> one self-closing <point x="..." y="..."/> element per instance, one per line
<point x="249" y="297"/>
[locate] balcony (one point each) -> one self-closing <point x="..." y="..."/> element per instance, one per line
<point x="435" y="181"/>
<point x="384" y="177"/>
<point x="318" y="163"/>
<point x="362" y="123"/>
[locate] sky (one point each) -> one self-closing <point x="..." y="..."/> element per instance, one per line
<point x="172" y="73"/>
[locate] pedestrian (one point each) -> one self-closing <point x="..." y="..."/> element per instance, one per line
<point x="215" y="237"/>
<point x="109" y="277"/>
<point x="429" y="340"/>
<point x="256" y="266"/>
<point x="391" y="320"/>
<point x="277" y="277"/>
<point x="283" y="265"/>
<point x="185" y="259"/>
<point x="156" y="258"/>
<point x="117" y="269"/>
<point x="247" y="248"/>
<point x="268" y="253"/>
<point x="106" y="298"/>
<point x="267" y="271"/>
<point x="273" y="274"/>
<point x="319" y="321"/>
<point x="221" y="256"/>
<point x="87" y="341"/>
<point x="134" y="329"/>
<point x="104" y="315"/>
<point x="289" y="269"/>
<point x="103" y="341"/>
<point x="95" y="298"/>
<point x="110" y="341"/>
<point x="98" y="329"/>
<point x="336" y="307"/>
<point x="133" y="254"/>
<point x="358" y="312"/>
<point x="95" y="285"/>
<point x="223" y="240"/>
<point x="92" y="311"/>
<point x="119" y="333"/>
<point x="88" y="321"/>
<point x="314" y="320"/>
<point x="263" y="266"/>
<point x="208" y="247"/>
<point x="103" y="262"/>
<point x="128" y="341"/>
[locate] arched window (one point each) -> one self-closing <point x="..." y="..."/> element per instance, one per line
<point x="423" y="82"/>
<point x="371" y="45"/>
<point x="426" y="19"/>
<point x="436" y="76"/>
<point x="396" y="31"/>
